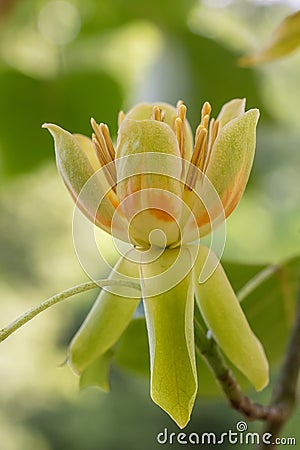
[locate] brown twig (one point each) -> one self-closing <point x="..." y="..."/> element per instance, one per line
<point x="227" y="381"/>
<point x="284" y="396"/>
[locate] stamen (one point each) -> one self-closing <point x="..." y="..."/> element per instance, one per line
<point x="179" y="126"/>
<point x="205" y="121"/>
<point x="206" y="110"/>
<point x="104" y="149"/>
<point x="178" y="104"/>
<point x="106" y="134"/>
<point x="213" y="134"/>
<point x="182" y="112"/>
<point x="198" y="157"/>
<point x="156" y="113"/>
<point x="198" y="131"/>
<point x="203" y="149"/>
<point x="121" y="116"/>
<point x="179" y="131"/>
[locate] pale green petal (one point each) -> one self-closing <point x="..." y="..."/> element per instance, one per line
<point x="149" y="169"/>
<point x="231" y="110"/>
<point x="106" y="321"/>
<point x="232" y="158"/>
<point x="72" y="161"/>
<point x="86" y="144"/>
<point x="226" y="320"/>
<point x="143" y="111"/>
<point x="170" y="318"/>
<point x="77" y="163"/>
<point x="97" y="373"/>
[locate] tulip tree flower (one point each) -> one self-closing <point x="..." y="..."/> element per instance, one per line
<point x="161" y="191"/>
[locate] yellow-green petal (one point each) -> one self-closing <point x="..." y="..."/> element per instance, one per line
<point x="143" y="111"/>
<point x="149" y="169"/>
<point x="231" y="110"/>
<point x="77" y="163"/>
<point x="226" y="320"/>
<point x="97" y="373"/>
<point x="170" y="318"/>
<point x="72" y="161"/>
<point x="108" y="318"/>
<point x="232" y="158"/>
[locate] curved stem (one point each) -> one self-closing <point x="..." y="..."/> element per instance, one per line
<point x="256" y="281"/>
<point x="31" y="313"/>
<point x="209" y="350"/>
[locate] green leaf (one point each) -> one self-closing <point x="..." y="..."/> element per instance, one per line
<point x="270" y="308"/>
<point x="97" y="373"/>
<point x="70" y="100"/>
<point x="285" y="40"/>
<point x="170" y="317"/>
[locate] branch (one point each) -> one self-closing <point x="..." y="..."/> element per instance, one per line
<point x="227" y="382"/>
<point x="27" y="316"/>
<point x="284" y="397"/>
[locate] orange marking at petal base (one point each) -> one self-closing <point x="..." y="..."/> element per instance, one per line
<point x="161" y="215"/>
<point x="234" y="192"/>
<point x="113" y="199"/>
<point x="101" y="220"/>
<point x="204" y="219"/>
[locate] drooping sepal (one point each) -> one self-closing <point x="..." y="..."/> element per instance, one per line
<point x="225" y="318"/>
<point x="169" y="315"/>
<point x="97" y="373"/>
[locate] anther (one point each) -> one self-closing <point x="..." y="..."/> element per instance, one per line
<point x="182" y="112"/>
<point x="104" y="149"/>
<point x="206" y="110"/>
<point x="156" y="113"/>
<point x="198" y="158"/>
<point x="179" y="126"/>
<point x="179" y="131"/>
<point x="205" y="121"/>
<point x="106" y="134"/>
<point x="121" y="116"/>
<point x="213" y="134"/>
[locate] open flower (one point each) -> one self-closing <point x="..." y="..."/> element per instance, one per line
<point x="160" y="191"/>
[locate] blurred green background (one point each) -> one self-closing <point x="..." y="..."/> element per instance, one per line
<point x="63" y="62"/>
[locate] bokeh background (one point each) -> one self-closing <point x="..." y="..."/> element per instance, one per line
<point x="63" y="62"/>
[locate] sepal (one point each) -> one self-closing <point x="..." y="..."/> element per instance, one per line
<point x="225" y="318"/>
<point x="170" y="316"/>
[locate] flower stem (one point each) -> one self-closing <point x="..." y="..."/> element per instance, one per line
<point x="31" y="313"/>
